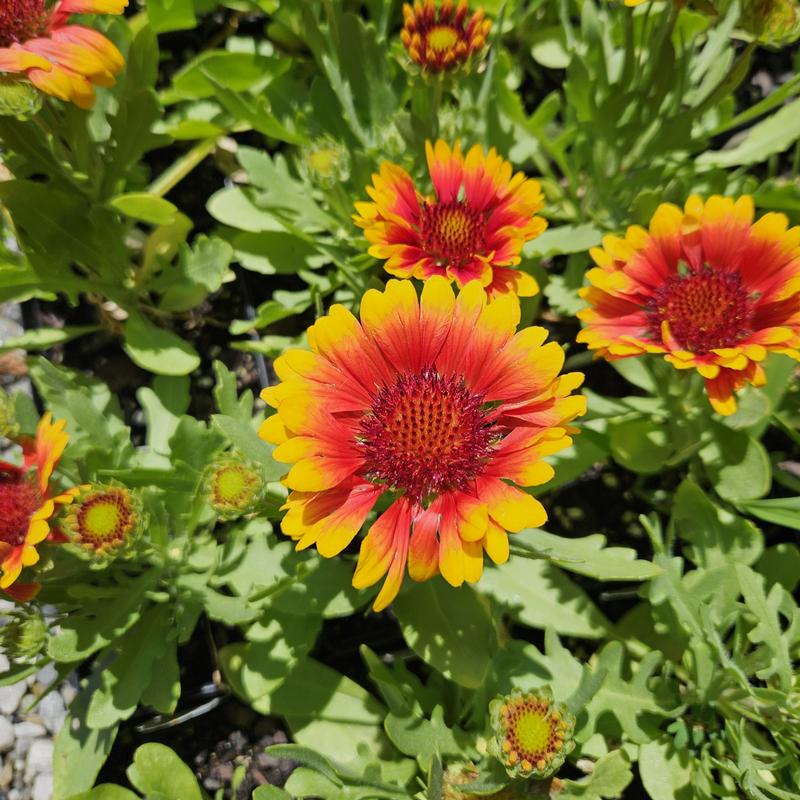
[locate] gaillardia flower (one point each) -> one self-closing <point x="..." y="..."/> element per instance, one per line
<point x="435" y="404"/>
<point x="61" y="59"/>
<point x="706" y="287"/>
<point x="472" y="229"/>
<point x="532" y="734"/>
<point x="444" y="40"/>
<point x="102" y="520"/>
<point x="234" y="486"/>
<point x="26" y="505"/>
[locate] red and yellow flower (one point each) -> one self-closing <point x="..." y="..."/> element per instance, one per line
<point x="26" y="505"/>
<point x="706" y="287"/>
<point x="473" y="228"/>
<point x="61" y="59"/>
<point x="444" y="40"/>
<point x="434" y="404"/>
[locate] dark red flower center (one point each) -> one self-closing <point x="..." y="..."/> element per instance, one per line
<point x="453" y="233"/>
<point x="19" y="500"/>
<point x="706" y="309"/>
<point x="425" y="435"/>
<point x="21" y="20"/>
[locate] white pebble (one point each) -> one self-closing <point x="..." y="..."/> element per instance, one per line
<point x="40" y="758"/>
<point x="47" y="675"/>
<point x="6" y="735"/>
<point x="4" y="664"/>
<point x="42" y="788"/>
<point x="52" y="711"/>
<point x="10" y="697"/>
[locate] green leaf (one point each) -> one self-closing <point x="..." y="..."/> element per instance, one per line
<point x="105" y="791"/>
<point x="609" y="778"/>
<point x="783" y="511"/>
<point x="158" y="350"/>
<point x="768" y="610"/>
<point x="308" y="757"/>
<point x="240" y="72"/>
<point x="736" y="464"/>
<point x="717" y="536"/>
<point x="538" y="594"/>
<point x="589" y="556"/>
<point x="171" y="15"/>
<point x="422" y="739"/>
<point x="79" y="750"/>
<point x="270" y="793"/>
<point x="640" y="445"/>
<point x="44" y="338"/>
<point x="562" y="240"/>
<point x="631" y="702"/>
<point x="450" y="629"/>
<point x="549" y="47"/>
<point x="159" y="774"/>
<point x="775" y="134"/>
<point x="126" y="679"/>
<point x="242" y="435"/>
<point x="163" y="405"/>
<point x="266" y="314"/>
<point x="328" y="712"/>
<point x="781" y="564"/>
<point x="201" y="271"/>
<point x="666" y="772"/>
<point x="145" y="207"/>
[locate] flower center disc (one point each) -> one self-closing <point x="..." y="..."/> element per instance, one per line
<point x="105" y="519"/>
<point x="233" y="485"/>
<point x="19" y="499"/>
<point x="426" y="434"/>
<point x="532" y="730"/>
<point x="21" y="20"/>
<point x="442" y="38"/>
<point x="705" y="309"/>
<point x="453" y="233"/>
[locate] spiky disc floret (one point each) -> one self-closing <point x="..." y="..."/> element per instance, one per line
<point x="532" y="733"/>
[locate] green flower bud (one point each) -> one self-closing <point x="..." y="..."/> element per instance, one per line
<point x="234" y="487"/>
<point x="326" y="162"/>
<point x="24" y="635"/>
<point x="18" y="97"/>
<point x="532" y="735"/>
<point x="772" y="22"/>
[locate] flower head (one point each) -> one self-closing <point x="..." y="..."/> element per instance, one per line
<point x="102" y="519"/>
<point x="234" y="486"/>
<point x="705" y="286"/>
<point x="438" y="405"/>
<point x="473" y="228"/>
<point x="60" y="59"/>
<point x="532" y="734"/>
<point x="26" y="505"/>
<point x="443" y="40"/>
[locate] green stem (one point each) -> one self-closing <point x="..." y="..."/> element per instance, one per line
<point x="171" y="177"/>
